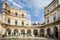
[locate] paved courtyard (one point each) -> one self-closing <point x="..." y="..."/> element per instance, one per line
<point x="24" y="38"/>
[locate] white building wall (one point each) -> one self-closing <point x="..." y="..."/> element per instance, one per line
<point x="59" y="2"/>
<point x="50" y="19"/>
<point x="46" y="20"/>
<point x="0" y="17"/>
<point x="58" y="15"/>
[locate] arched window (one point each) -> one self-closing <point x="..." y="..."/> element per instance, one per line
<point x="15" y="14"/>
<point x="29" y="32"/>
<point x="8" y="11"/>
<point x="55" y="32"/>
<point x="49" y="32"/>
<point x="22" y="32"/>
<point x="8" y="32"/>
<point x="15" y="32"/>
<point x="35" y="32"/>
<point x="22" y="15"/>
<point x="42" y="32"/>
<point x="47" y="10"/>
<point x="22" y="23"/>
<point x="54" y="18"/>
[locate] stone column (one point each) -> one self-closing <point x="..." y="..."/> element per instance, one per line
<point x="19" y="33"/>
<point x="25" y="33"/>
<point x="38" y="32"/>
<point x="12" y="33"/>
<point x="32" y="33"/>
<point x="58" y="32"/>
<point x="0" y="31"/>
<point x="45" y="32"/>
<point x="52" y="30"/>
<point x="7" y="34"/>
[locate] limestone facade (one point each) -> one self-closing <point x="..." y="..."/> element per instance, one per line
<point x="52" y="19"/>
<point x="14" y="22"/>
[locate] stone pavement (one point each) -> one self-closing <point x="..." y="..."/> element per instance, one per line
<point x="31" y="38"/>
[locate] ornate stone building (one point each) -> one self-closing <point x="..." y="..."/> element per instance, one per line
<point x="52" y="19"/>
<point x="14" y="22"/>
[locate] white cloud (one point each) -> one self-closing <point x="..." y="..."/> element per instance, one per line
<point x="38" y="5"/>
<point x="15" y="4"/>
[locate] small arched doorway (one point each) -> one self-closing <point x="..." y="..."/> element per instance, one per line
<point x="8" y="32"/>
<point x="23" y="32"/>
<point x="29" y="32"/>
<point x="35" y="32"/>
<point x="55" y="32"/>
<point x="15" y="32"/>
<point x="49" y="32"/>
<point x="42" y="32"/>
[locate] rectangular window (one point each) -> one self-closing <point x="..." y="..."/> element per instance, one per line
<point x="8" y="21"/>
<point x="16" y="23"/>
<point x="54" y="18"/>
<point x="47" y="20"/>
<point x="22" y="23"/>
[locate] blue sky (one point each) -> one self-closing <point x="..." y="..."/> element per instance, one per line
<point x="34" y="8"/>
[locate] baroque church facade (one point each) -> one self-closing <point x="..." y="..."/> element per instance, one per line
<point x="14" y="22"/>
